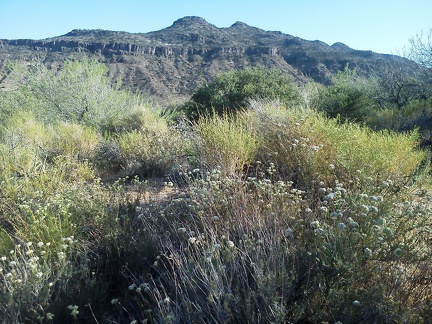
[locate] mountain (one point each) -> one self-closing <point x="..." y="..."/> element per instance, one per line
<point x="171" y="63"/>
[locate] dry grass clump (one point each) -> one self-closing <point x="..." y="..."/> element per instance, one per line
<point x="153" y="149"/>
<point x="226" y="142"/>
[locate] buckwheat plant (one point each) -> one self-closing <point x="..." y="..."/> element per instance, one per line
<point x="30" y="275"/>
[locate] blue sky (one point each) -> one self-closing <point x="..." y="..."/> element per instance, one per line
<point x="383" y="26"/>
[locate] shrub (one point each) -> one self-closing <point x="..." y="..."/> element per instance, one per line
<point x="151" y="150"/>
<point x="304" y="145"/>
<point x="226" y="143"/>
<point x="232" y="90"/>
<point x="33" y="274"/>
<point x="28" y="145"/>
<point x="79" y="93"/>
<point x="348" y="97"/>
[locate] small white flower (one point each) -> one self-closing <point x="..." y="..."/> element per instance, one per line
<point x="382" y="221"/>
<point x="364" y="207"/>
<point x="314" y="224"/>
<point x="288" y="232"/>
<point x="330" y="196"/>
<point x="40" y="244"/>
<point x="356" y="303"/>
<point x="336" y="214"/>
<point x="230" y="244"/>
<point x="3" y="258"/>
<point x="367" y="252"/>
<point x="352" y="223"/>
<point x="331" y="167"/>
<point x="34" y="259"/>
<point x="74" y="310"/>
<point x="314" y="148"/>
<point x="12" y="263"/>
<point x="192" y="240"/>
<point x="341" y="226"/>
<point x="132" y="287"/>
<point x="373" y="209"/>
<point x="50" y="316"/>
<point x="319" y="231"/>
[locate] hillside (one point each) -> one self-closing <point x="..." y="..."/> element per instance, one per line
<point x="172" y="62"/>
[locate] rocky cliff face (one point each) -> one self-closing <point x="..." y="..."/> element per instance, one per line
<point x="172" y="62"/>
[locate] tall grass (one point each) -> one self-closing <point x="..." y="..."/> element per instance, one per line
<point x="226" y="142"/>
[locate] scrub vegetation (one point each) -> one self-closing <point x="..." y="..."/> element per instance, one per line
<point x="257" y="201"/>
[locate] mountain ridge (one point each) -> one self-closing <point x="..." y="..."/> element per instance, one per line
<point x="174" y="61"/>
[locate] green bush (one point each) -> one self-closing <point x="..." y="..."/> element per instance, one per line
<point x="348" y="97"/>
<point x="232" y="90"/>
<point x="153" y="149"/>
<point x="79" y="93"/>
<point x="304" y="144"/>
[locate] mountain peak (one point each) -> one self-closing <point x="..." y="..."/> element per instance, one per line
<point x="240" y="24"/>
<point x="341" y="46"/>
<point x="190" y="21"/>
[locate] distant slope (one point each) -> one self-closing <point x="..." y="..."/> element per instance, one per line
<point x="170" y="63"/>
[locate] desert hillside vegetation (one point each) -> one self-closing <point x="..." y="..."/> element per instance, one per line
<point x="258" y="200"/>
